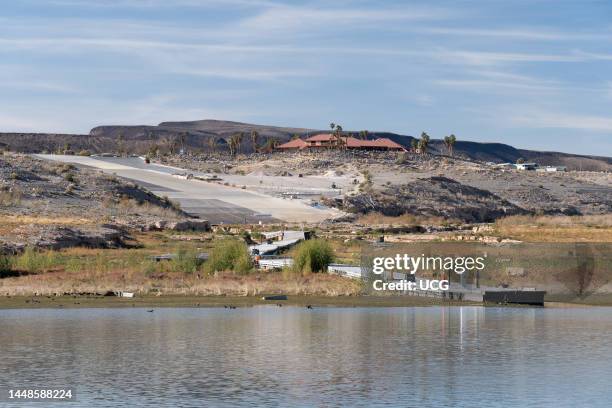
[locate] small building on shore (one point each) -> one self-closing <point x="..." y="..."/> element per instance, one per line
<point x="330" y="141"/>
<point x="556" y="168"/>
<point x="526" y="166"/>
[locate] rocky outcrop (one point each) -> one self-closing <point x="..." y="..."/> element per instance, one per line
<point x="434" y="197"/>
<point x="58" y="237"/>
<point x="187" y="225"/>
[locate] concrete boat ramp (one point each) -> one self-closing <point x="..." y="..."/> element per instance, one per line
<point x="217" y="203"/>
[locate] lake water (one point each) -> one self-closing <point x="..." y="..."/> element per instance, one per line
<point x="290" y="356"/>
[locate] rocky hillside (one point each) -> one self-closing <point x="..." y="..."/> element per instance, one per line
<point x="433" y="197"/>
<point x="55" y="205"/>
<point x="196" y="135"/>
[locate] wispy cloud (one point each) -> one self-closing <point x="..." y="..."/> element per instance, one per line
<point x="307" y="19"/>
<point x="118" y="4"/>
<point x="38" y="85"/>
<point x="562" y="120"/>
<point x="494" y="82"/>
<point x="495" y="58"/>
<point x="520" y="33"/>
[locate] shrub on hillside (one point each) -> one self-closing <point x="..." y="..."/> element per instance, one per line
<point x="34" y="261"/>
<point x="229" y="255"/>
<point x="313" y="256"/>
<point x="5" y="266"/>
<point x="186" y="261"/>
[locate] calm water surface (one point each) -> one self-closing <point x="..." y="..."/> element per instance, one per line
<point x="269" y="356"/>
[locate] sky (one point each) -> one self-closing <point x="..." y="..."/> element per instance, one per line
<point x="535" y="74"/>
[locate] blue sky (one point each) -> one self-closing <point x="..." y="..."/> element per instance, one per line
<point x="535" y="74"/>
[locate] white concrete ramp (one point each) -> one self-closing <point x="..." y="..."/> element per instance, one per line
<point x="214" y="202"/>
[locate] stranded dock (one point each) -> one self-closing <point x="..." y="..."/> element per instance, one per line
<point x="455" y="291"/>
<point x="484" y="294"/>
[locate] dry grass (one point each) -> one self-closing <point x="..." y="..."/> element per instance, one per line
<point x="176" y="283"/>
<point x="42" y="220"/>
<point x="128" y="206"/>
<point x="403" y="220"/>
<point x="592" y="228"/>
<point x="8" y="223"/>
<point x="11" y="198"/>
<point x="77" y="270"/>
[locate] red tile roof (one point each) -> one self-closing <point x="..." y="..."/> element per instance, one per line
<point x="323" y="137"/>
<point x="385" y="142"/>
<point x="293" y="144"/>
<point x="349" y="141"/>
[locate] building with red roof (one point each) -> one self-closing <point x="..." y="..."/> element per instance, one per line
<point x="328" y="140"/>
<point x="296" y="144"/>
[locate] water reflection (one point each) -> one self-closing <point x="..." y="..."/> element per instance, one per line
<point x="443" y="356"/>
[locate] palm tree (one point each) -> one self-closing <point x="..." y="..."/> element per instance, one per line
<point x="449" y="142"/>
<point x="363" y="134"/>
<point x="337" y="133"/>
<point x="415" y="145"/>
<point x="424" y="143"/>
<point x="231" y="144"/>
<point x="153" y="151"/>
<point x="254" y="139"/>
<point x="212" y="143"/>
<point x="271" y="144"/>
<point x="121" y="144"/>
<point x="239" y="137"/>
<point x="172" y="144"/>
<point x="183" y="137"/>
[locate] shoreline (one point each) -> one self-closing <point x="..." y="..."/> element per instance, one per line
<point x="178" y="301"/>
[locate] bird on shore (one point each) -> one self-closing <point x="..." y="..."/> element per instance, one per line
<point x="309" y="307"/>
<point x="279" y="304"/>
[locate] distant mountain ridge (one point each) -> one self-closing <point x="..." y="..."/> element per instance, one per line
<point x="196" y="135"/>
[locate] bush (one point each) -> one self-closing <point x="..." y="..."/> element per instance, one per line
<point x="64" y="168"/>
<point x="313" y="256"/>
<point x="402" y="158"/>
<point x="34" y="261"/>
<point x="229" y="255"/>
<point x="5" y="266"/>
<point x="186" y="261"/>
<point x="84" y="153"/>
<point x="11" y="197"/>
